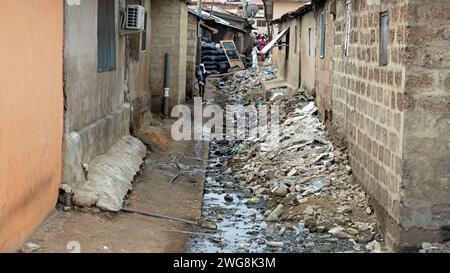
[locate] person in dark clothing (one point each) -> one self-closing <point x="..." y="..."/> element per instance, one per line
<point x="201" y="77"/>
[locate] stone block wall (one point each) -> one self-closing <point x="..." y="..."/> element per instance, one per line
<point x="396" y="116"/>
<point x="169" y="35"/>
<point x="191" y="52"/>
<point x="425" y="184"/>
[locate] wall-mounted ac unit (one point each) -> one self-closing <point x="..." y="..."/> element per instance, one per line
<point x="135" y="17"/>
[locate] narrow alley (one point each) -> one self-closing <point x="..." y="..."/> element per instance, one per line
<point x="224" y="127"/>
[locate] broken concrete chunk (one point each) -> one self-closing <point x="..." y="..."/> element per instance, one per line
<point x="30" y="248"/>
<point x="275" y="244"/>
<point x="280" y="190"/>
<point x="275" y="214"/>
<point x="344" y="209"/>
<point x="339" y="232"/>
<point x="309" y="211"/>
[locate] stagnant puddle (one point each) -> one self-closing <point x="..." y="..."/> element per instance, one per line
<point x="240" y="219"/>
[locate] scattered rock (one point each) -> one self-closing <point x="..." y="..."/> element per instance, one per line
<point x="281" y="190"/>
<point x="344" y="209"/>
<point x="275" y="244"/>
<point x="339" y="232"/>
<point x="228" y="198"/>
<point x="30" y="248"/>
<point x="374" y="247"/>
<point x="275" y="214"/>
<point x="352" y="231"/>
<point x="309" y="211"/>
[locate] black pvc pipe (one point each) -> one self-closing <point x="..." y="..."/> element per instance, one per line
<point x="166" y="94"/>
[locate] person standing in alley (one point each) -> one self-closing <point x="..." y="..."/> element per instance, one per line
<point x="255" y="53"/>
<point x="201" y="77"/>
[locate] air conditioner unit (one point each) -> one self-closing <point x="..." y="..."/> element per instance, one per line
<point x="135" y="17"/>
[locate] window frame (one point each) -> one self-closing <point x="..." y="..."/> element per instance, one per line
<point x="144" y="34"/>
<point x="310" y="46"/>
<point x="383" y="54"/>
<point x="106" y="36"/>
<point x="323" y="31"/>
<point x="347" y="26"/>
<point x="296" y="33"/>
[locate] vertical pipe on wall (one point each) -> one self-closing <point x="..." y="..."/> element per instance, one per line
<point x="166" y="85"/>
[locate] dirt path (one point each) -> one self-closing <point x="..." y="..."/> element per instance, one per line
<point x="101" y="232"/>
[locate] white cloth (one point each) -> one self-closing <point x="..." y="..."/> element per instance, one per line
<point x="255" y="53"/>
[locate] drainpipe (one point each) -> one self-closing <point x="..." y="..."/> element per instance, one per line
<point x="166" y="85"/>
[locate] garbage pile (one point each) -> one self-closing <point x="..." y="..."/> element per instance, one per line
<point x="246" y="85"/>
<point x="305" y="179"/>
<point x="434" y="248"/>
<point x="213" y="57"/>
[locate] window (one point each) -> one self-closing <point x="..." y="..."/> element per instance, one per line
<point x="384" y="32"/>
<point x="323" y="31"/>
<point x="347" y="22"/>
<point x="286" y="48"/>
<point x="296" y="39"/>
<point x="261" y="23"/>
<point x="310" y="42"/>
<point x="144" y="34"/>
<point x="106" y="36"/>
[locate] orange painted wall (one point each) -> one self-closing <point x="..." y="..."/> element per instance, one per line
<point x="31" y="115"/>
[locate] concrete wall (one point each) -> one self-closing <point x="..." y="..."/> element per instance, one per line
<point x="396" y="117"/>
<point x="299" y="69"/>
<point x="31" y="115"/>
<point x="169" y="35"/>
<point x="191" y="58"/>
<point x="96" y="114"/>
<point x="137" y="73"/>
<point x="293" y="64"/>
<point x="308" y="63"/>
<point x="362" y="103"/>
<point x="324" y="65"/>
<point x="279" y="52"/>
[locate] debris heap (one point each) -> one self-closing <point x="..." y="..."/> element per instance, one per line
<point x="246" y="85"/>
<point x="302" y="175"/>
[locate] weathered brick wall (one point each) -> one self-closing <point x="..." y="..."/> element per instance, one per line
<point x="169" y="35"/>
<point x="396" y="117"/>
<point x="364" y="99"/>
<point x="425" y="184"/>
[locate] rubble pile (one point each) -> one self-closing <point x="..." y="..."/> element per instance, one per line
<point x="302" y="176"/>
<point x="434" y="248"/>
<point x="246" y="85"/>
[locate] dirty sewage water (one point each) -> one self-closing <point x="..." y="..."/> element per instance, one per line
<point x="239" y="227"/>
<point x="240" y="219"/>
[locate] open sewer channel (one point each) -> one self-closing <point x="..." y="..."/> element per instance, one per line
<point x="239" y="216"/>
